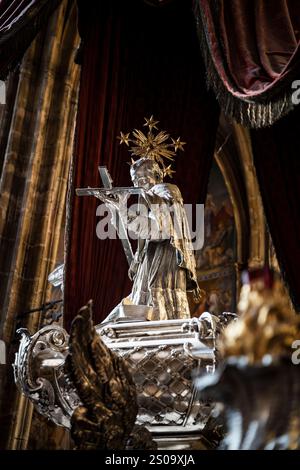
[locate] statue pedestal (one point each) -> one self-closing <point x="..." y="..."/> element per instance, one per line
<point x="162" y="357"/>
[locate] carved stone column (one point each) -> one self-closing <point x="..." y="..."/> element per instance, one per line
<point x="33" y="189"/>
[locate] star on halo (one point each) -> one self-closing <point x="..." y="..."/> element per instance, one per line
<point x="168" y="171"/>
<point x="124" y="138"/>
<point x="131" y="163"/>
<point x="178" y="144"/>
<point x="151" y="123"/>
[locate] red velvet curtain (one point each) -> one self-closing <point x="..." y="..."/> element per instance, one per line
<point x="20" y="21"/>
<point x="252" y="54"/>
<point x="137" y="61"/>
<point x="277" y="163"/>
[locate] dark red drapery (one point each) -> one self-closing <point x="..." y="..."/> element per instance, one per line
<point x="20" y="21"/>
<point x="137" y="61"/>
<point x="277" y="163"/>
<point x="252" y="54"/>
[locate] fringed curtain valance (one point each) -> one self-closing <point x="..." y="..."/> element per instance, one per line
<point x="252" y="53"/>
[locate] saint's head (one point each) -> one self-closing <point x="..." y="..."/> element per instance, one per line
<point x="146" y="173"/>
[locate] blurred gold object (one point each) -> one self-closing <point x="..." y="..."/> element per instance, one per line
<point x="267" y="325"/>
<point x="257" y="385"/>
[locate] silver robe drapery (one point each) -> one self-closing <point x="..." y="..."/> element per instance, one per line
<point x="164" y="265"/>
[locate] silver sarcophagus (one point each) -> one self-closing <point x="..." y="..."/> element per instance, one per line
<point x="162" y="357"/>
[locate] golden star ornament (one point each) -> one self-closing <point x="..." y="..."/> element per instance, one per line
<point x="124" y="138"/>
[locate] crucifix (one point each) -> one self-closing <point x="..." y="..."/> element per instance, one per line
<point x="112" y="192"/>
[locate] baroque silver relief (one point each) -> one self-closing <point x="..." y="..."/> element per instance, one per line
<point x="39" y="373"/>
<point x="160" y="356"/>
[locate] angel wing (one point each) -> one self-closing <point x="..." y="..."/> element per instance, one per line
<point x="105" y="388"/>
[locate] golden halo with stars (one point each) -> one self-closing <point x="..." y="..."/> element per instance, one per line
<point x="156" y="147"/>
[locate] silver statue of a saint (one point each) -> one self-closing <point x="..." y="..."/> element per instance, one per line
<point x="163" y="268"/>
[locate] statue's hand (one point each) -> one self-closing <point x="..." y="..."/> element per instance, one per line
<point x="101" y="196"/>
